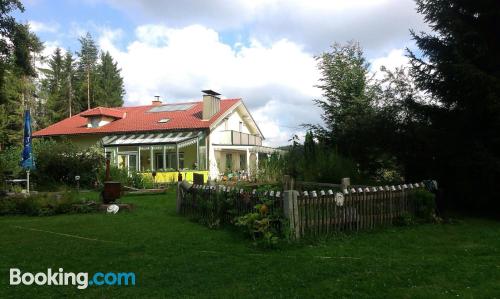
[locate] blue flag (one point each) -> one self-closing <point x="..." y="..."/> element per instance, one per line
<point x="28" y="161"/>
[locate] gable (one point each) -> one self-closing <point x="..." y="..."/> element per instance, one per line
<point x="232" y="118"/>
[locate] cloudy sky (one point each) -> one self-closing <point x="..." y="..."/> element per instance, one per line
<point x="260" y="50"/>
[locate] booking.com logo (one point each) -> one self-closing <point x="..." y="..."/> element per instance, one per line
<point x="81" y="279"/>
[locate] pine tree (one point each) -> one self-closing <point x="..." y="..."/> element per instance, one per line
<point x="460" y="68"/>
<point x="52" y="87"/>
<point x="109" y="90"/>
<point x="18" y="91"/>
<point x="7" y="30"/>
<point x="69" y="79"/>
<point x="86" y="72"/>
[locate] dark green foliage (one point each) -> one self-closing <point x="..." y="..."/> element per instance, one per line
<point x="459" y="68"/>
<point x="109" y="85"/>
<point x="18" y="47"/>
<point x="348" y="103"/>
<point x="57" y="87"/>
<point x="261" y="216"/>
<point x="8" y="27"/>
<point x="318" y="162"/>
<point x="87" y="71"/>
<point x="44" y="204"/>
<point x="425" y="203"/>
<point x="271" y="168"/>
<point x="135" y="180"/>
<point x="59" y="162"/>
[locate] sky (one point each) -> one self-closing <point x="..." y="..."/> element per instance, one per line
<point x="259" y="50"/>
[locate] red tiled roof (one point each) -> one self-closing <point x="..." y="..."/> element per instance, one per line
<point x="112" y="112"/>
<point x="136" y="119"/>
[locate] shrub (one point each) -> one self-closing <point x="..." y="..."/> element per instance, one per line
<point x="425" y="203"/>
<point x="59" y="162"/>
<point x="9" y="161"/>
<point x="261" y="226"/>
<point x="44" y="204"/>
<point x="406" y="219"/>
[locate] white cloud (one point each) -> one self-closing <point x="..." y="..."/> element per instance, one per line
<point x="38" y="27"/>
<point x="275" y="81"/>
<point x="376" y="24"/>
<point x="394" y="59"/>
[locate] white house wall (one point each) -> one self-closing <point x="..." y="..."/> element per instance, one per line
<point x="216" y="137"/>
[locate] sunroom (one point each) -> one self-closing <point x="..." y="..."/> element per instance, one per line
<point x="165" y="154"/>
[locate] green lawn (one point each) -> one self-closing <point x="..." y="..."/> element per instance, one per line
<point x="174" y="257"/>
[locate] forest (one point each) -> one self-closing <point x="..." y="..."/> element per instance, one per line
<point x="52" y="87"/>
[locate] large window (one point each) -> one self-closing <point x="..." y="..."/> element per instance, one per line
<point x="243" y="161"/>
<point x="229" y="161"/>
<point x="170" y="161"/>
<point x="159" y="161"/>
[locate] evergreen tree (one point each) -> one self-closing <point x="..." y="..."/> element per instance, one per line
<point x="109" y="90"/>
<point x="69" y="82"/>
<point x="460" y="68"/>
<point x="7" y="30"/>
<point x="86" y="72"/>
<point x="52" y="87"/>
<point x="18" y="91"/>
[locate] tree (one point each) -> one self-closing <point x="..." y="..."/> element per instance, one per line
<point x="348" y="102"/>
<point x="86" y="74"/>
<point x="57" y="85"/>
<point x="109" y="90"/>
<point x="68" y="75"/>
<point x="17" y="75"/>
<point x="460" y="68"/>
<point x="7" y="30"/>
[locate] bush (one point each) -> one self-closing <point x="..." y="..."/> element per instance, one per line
<point x="262" y="226"/>
<point x="135" y="180"/>
<point x="425" y="203"/>
<point x="44" y="205"/>
<point x="59" y="162"/>
<point x="9" y="161"/>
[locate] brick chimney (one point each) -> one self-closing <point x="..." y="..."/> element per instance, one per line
<point x="211" y="103"/>
<point x="156" y="101"/>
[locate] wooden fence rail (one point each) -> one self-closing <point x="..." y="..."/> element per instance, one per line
<point x="322" y="212"/>
<point x="310" y="213"/>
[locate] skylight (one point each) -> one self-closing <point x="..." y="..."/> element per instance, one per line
<point x="164" y="120"/>
<point x="171" y="107"/>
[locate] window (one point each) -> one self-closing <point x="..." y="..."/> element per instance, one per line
<point x="226" y="125"/>
<point x="163" y="120"/>
<point x="241" y="126"/>
<point x="243" y="161"/>
<point x="181" y="160"/>
<point x="159" y="161"/>
<point x="229" y="161"/>
<point x="171" y="107"/>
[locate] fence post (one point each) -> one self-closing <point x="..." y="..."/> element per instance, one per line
<point x="291" y="211"/>
<point x="345" y="183"/>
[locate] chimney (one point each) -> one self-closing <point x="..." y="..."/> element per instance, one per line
<point x="211" y="103"/>
<point x="156" y="101"/>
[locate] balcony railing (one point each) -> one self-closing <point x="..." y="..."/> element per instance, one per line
<point x="238" y="138"/>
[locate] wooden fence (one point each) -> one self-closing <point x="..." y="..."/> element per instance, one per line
<point x="310" y="213"/>
<point x="323" y="212"/>
<point x="225" y="203"/>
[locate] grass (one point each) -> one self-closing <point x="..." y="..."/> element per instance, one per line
<point x="174" y="257"/>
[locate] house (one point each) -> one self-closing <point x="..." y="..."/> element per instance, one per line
<point x="212" y="137"/>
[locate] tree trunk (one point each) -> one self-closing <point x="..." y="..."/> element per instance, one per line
<point x="88" y="88"/>
<point x="69" y="95"/>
